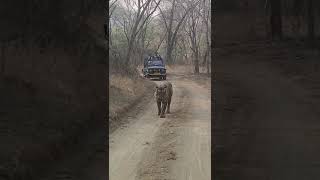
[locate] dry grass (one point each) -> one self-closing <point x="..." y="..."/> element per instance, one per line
<point x="125" y="91"/>
<point x="123" y="83"/>
<point x="184" y="69"/>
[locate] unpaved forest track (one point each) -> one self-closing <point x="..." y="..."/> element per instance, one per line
<point x="177" y="147"/>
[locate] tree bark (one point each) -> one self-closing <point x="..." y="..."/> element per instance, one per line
<point x="172" y="32"/>
<point x="159" y="45"/>
<point x="196" y="63"/>
<point x="276" y="19"/>
<point x="206" y="22"/>
<point x="169" y="37"/>
<point x="169" y="53"/>
<point x="138" y="25"/>
<point x="208" y="65"/>
<point x="194" y="41"/>
<point x="130" y="44"/>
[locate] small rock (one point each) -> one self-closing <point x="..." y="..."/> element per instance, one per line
<point x="172" y="156"/>
<point x="147" y="143"/>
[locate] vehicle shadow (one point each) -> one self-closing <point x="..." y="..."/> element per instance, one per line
<point x="157" y="80"/>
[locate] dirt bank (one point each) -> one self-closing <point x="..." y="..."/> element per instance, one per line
<point x="124" y="93"/>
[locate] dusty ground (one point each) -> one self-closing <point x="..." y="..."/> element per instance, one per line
<point x="144" y="146"/>
<point x="267" y="122"/>
<point x="88" y="159"/>
<point x="177" y="147"/>
<point x="124" y="93"/>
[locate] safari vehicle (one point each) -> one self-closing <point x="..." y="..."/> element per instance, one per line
<point x="154" y="67"/>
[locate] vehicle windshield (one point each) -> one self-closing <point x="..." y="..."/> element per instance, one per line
<point x="155" y="63"/>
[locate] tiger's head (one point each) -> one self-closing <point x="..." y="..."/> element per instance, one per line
<point x="161" y="90"/>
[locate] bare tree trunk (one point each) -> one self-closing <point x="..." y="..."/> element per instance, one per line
<point x="142" y="43"/>
<point x="169" y="37"/>
<point x="206" y="61"/>
<point x="195" y="48"/>
<point x="172" y="32"/>
<point x="169" y="53"/>
<point x="110" y="9"/>
<point x="161" y="41"/>
<point x="208" y="56"/>
<point x="196" y="63"/>
<point x="107" y="31"/>
<point x="193" y="34"/>
<point x="142" y="16"/>
<point x="206" y="22"/>
<point x="130" y="46"/>
<point x="276" y="19"/>
<point x="208" y="65"/>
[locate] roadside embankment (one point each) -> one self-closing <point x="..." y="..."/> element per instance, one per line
<point x="124" y="93"/>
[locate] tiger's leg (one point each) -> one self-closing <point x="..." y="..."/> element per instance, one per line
<point x="163" y="110"/>
<point x="169" y="102"/>
<point x="159" y="107"/>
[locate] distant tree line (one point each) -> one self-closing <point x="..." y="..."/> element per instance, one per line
<point x="179" y="30"/>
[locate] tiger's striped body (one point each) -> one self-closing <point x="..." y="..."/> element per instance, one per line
<point x="163" y="96"/>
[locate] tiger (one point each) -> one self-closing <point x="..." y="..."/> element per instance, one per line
<point x="163" y="96"/>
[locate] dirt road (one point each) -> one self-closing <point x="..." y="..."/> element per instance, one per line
<point x="266" y="127"/>
<point x="177" y="147"/>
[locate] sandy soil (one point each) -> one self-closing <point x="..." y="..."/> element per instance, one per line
<point x="147" y="147"/>
<point x="124" y="93"/>
<point x="177" y="147"/>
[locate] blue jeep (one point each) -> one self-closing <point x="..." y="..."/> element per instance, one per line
<point x="154" y="67"/>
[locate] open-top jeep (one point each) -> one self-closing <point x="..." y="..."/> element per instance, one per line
<point x="154" y="67"/>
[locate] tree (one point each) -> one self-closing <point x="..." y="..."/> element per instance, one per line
<point x="171" y="29"/>
<point x="143" y="12"/>
<point x="111" y="9"/>
<point x="194" y="35"/>
<point x="198" y="31"/>
<point x="183" y="26"/>
<point x="206" y="20"/>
